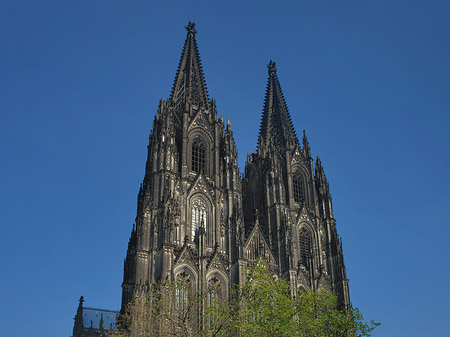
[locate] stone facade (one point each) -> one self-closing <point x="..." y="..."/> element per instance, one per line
<point x="198" y="219"/>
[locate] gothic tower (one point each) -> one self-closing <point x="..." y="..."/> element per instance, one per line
<point x="190" y="200"/>
<point x="293" y="202"/>
<point x="199" y="222"/>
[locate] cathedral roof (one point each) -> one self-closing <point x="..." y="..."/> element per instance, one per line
<point x="96" y="318"/>
<point x="189" y="84"/>
<point x="276" y="124"/>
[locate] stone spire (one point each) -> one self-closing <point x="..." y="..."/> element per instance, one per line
<point x="321" y="179"/>
<point x="323" y="191"/>
<point x="189" y="85"/>
<point x="78" y="324"/>
<point x="306" y="147"/>
<point x="276" y="127"/>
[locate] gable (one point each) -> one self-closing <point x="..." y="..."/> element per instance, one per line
<point x="217" y="261"/>
<point x="200" y="121"/>
<point x="256" y="246"/>
<point x="200" y="185"/>
<point x="186" y="256"/>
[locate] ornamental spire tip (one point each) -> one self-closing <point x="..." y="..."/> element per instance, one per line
<point x="271" y="67"/>
<point x="191" y="28"/>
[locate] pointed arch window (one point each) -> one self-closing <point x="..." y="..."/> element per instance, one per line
<point x="182" y="292"/>
<point x="198" y="156"/>
<point x="199" y="215"/>
<point x="215" y="292"/>
<point x="213" y="297"/>
<point x="298" y="187"/>
<point x="305" y="247"/>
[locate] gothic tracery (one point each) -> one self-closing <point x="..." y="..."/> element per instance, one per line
<point x="199" y="217"/>
<point x="198" y="156"/>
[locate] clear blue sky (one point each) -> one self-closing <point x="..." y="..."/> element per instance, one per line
<point x="80" y="82"/>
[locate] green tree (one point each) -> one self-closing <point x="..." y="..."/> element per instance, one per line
<point x="265" y="305"/>
<point x="268" y="309"/>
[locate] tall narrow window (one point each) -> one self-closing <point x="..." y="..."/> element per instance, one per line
<point x="298" y="186"/>
<point x="182" y="290"/>
<point x="198" y="156"/>
<point x="214" y="291"/>
<point x="305" y="247"/>
<point x="198" y="215"/>
<point x="213" y="298"/>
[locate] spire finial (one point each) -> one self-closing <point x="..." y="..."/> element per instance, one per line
<point x="101" y="324"/>
<point x="305" y="139"/>
<point x="256" y="214"/>
<point x="202" y="229"/>
<point x="271" y="67"/>
<point x="191" y="28"/>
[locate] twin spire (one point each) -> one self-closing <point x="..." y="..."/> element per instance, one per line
<point x="276" y="125"/>
<point x="190" y="87"/>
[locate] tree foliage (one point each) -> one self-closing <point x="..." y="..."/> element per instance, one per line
<point x="268" y="309"/>
<point x="262" y="307"/>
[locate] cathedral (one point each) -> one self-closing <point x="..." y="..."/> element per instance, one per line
<point x="200" y="221"/>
